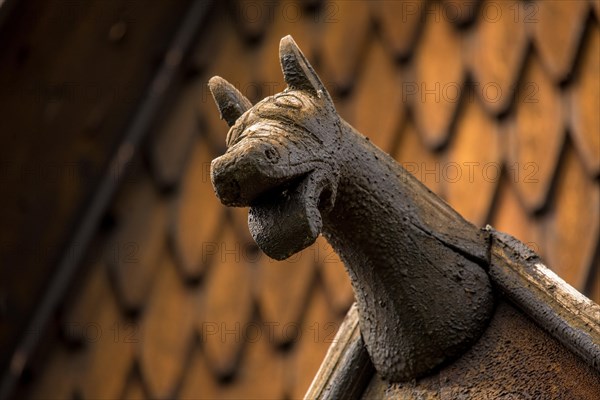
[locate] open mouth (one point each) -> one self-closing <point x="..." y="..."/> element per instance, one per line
<point x="287" y="219"/>
<point x="285" y="201"/>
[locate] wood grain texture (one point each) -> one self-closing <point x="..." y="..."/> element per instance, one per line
<point x="559" y="309"/>
<point x="514" y="357"/>
<point x="346" y="369"/>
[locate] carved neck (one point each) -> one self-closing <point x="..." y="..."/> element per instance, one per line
<point x="413" y="262"/>
<point x="368" y="197"/>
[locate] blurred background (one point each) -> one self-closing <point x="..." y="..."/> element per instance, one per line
<point x="122" y="276"/>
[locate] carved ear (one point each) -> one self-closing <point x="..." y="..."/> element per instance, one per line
<point x="297" y="71"/>
<point x="231" y="103"/>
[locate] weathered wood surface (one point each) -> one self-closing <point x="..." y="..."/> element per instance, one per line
<point x="417" y="267"/>
<point x="347" y="368"/>
<point x="557" y="307"/>
<point x="514" y="359"/>
<point x="558" y="346"/>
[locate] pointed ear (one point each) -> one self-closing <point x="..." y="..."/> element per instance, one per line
<point x="231" y="103"/>
<point x="297" y="71"/>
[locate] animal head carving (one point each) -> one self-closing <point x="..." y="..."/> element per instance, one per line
<point x="280" y="159"/>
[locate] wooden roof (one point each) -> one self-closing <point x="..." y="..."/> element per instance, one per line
<point x="176" y="300"/>
<point x="503" y="364"/>
<point x="543" y="341"/>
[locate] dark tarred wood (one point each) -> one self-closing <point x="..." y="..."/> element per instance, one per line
<point x="415" y="264"/>
<point x="565" y="324"/>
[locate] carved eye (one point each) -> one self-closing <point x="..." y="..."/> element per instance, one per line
<point x="272" y="154"/>
<point x="289" y="101"/>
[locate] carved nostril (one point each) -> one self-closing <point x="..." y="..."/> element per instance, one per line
<point x="272" y="154"/>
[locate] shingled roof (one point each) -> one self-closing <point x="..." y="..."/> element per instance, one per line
<point x="493" y="105"/>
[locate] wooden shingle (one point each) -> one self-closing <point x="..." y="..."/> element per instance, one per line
<point x="170" y="147"/>
<point x="575" y="210"/>
<point x="345" y="34"/>
<point x="284" y="290"/>
<point x="436" y="86"/>
<point x="334" y="277"/>
<point x="461" y="12"/>
<point x="228" y="305"/>
<point x="495" y="52"/>
<point x="511" y="216"/>
<point x="288" y="19"/>
<point x="418" y="159"/>
<point x="57" y="381"/>
<point x="165" y="332"/>
<point x="471" y="167"/>
<point x="556" y="28"/>
<point x="536" y="138"/>
<point x="399" y="23"/>
<point x="584" y="102"/>
<point x="379" y="83"/>
<point x="314" y="336"/>
<point x="197" y="216"/>
<point x="133" y="253"/>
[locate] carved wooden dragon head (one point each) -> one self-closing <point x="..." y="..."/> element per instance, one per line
<point x="417" y="267"/>
<point x="280" y="156"/>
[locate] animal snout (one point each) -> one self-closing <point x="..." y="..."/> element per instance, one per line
<point x="224" y="181"/>
<point x="244" y="172"/>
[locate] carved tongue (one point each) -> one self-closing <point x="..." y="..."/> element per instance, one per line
<point x="282" y="224"/>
